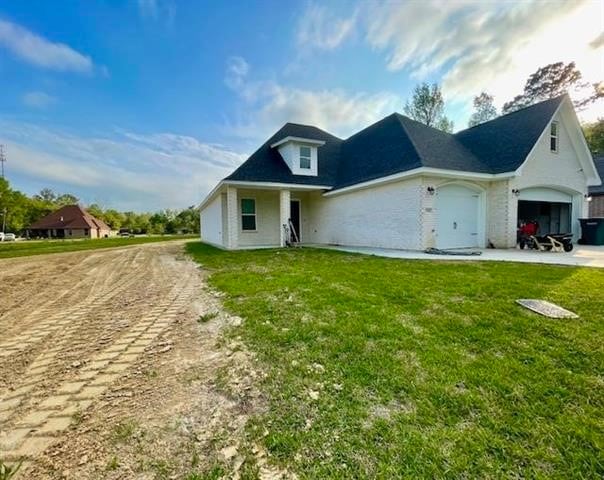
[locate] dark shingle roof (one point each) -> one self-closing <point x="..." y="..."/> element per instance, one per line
<point x="266" y="164"/>
<point x="504" y="143"/>
<point x="397" y="144"/>
<point x="377" y="151"/>
<point x="599" y="189"/>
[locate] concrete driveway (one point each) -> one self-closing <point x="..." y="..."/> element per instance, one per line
<point x="582" y="255"/>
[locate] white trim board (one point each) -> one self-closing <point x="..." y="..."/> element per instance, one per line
<point x="308" y="141"/>
<point x="440" y="172"/>
<point x="260" y="185"/>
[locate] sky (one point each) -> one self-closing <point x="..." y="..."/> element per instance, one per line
<point x="145" y="105"/>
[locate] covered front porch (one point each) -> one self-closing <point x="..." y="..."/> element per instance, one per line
<point x="250" y="216"/>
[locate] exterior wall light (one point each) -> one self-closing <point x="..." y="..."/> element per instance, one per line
<point x="516" y="192"/>
<point x="431" y="190"/>
<point x="587" y="197"/>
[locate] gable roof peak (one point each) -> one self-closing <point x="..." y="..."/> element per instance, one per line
<point x="555" y="100"/>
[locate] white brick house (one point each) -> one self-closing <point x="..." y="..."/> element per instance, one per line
<point x="400" y="184"/>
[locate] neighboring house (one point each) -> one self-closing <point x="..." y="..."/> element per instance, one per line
<point x="71" y="221"/>
<point x="596" y="206"/>
<point x="400" y="184"/>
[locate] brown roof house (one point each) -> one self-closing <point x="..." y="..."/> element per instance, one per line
<point x="70" y="221"/>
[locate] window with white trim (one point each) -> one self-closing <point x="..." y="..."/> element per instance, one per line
<point x="553" y="137"/>
<point x="305" y="158"/>
<point x="248" y="214"/>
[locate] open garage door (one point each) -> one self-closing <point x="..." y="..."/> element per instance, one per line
<point x="551" y="209"/>
<point x="457" y="210"/>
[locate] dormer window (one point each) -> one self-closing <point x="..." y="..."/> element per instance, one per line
<point x="553" y="137"/>
<point x="305" y="158"/>
<point x="300" y="154"/>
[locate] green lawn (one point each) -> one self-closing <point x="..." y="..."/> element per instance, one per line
<point x="25" y="247"/>
<point x="385" y="368"/>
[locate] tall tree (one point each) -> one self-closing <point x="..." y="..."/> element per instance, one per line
<point x="552" y="81"/>
<point x="427" y="106"/>
<point x="46" y="195"/>
<point x="484" y="109"/>
<point x="594" y="134"/>
<point x="66" y="199"/>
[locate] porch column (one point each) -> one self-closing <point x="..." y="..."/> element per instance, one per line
<point x="284" y="213"/>
<point x="232" y="218"/>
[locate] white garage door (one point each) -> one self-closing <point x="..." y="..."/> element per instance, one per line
<point x="456" y="217"/>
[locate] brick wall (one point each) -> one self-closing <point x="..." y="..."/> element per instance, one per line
<point x="386" y="216"/>
<point x="596" y="206"/>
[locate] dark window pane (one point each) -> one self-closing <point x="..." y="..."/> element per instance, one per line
<point x="248" y="205"/>
<point x="248" y="222"/>
<point x="554" y="129"/>
<point x="305" y="151"/>
<point x="553" y="144"/>
<point x="304" y="162"/>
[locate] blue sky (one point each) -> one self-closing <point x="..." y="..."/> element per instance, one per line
<point x="147" y="104"/>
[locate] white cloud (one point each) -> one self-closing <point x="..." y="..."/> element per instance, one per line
<point x="319" y="28"/>
<point x="157" y="10"/>
<point x="38" y="99"/>
<point x="267" y="105"/>
<point x="41" y="52"/>
<point x="127" y="170"/>
<point x="597" y="42"/>
<point x="336" y="111"/>
<point x="475" y="46"/>
<point x="236" y="72"/>
<point x="148" y="8"/>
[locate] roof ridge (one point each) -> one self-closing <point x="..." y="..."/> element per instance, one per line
<point x="559" y="97"/>
<point x="450" y="135"/>
<point x="398" y="116"/>
<point x="370" y="126"/>
<point x="307" y="126"/>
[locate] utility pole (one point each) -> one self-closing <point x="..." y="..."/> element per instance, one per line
<point x="2" y="158"/>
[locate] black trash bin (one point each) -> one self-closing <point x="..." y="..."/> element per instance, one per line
<point x="592" y="231"/>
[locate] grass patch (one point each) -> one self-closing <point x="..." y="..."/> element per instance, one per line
<point x="206" y="317"/>
<point x="35" y="247"/>
<point x="77" y="417"/>
<point x="124" y="431"/>
<point x="9" y="471"/>
<point x="214" y="473"/>
<point x="386" y="368"/>
<point x="162" y="469"/>
<point x="112" y="464"/>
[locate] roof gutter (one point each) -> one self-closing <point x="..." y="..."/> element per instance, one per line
<point x="210" y="195"/>
<point x="419" y="172"/>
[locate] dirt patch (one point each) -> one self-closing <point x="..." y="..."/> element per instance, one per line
<point x="114" y="364"/>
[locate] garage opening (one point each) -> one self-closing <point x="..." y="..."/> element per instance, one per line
<point x="551" y="208"/>
<point x="551" y="217"/>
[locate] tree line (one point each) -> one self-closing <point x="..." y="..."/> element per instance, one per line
<point x="18" y="211"/>
<point x="427" y="104"/>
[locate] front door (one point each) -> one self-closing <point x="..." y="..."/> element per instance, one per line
<point x="295" y="219"/>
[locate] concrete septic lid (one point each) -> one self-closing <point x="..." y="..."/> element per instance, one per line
<point x="546" y="309"/>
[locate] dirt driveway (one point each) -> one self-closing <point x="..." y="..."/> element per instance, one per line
<point x="113" y="365"/>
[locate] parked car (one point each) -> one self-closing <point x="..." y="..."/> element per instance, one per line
<point x="9" y="237"/>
